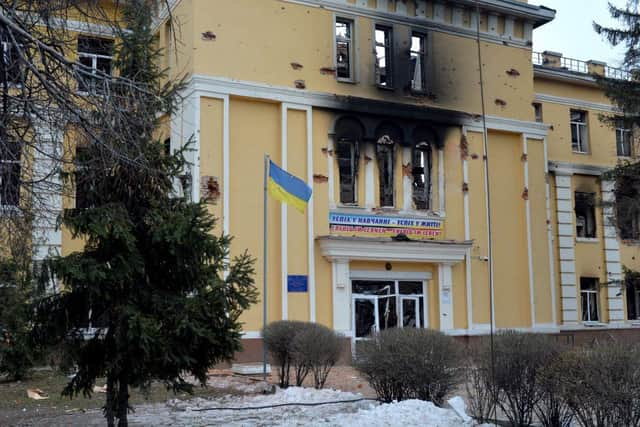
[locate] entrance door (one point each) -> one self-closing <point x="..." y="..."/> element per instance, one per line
<point x="365" y="316"/>
<point x="409" y="312"/>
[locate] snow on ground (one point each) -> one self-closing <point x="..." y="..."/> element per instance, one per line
<point x="354" y="414"/>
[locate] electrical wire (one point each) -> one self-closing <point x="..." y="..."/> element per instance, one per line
<point x="485" y="145"/>
<point x="281" y="405"/>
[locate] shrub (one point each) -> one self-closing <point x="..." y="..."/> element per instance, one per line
<point x="601" y="385"/>
<point x="316" y="348"/>
<point x="278" y="337"/>
<point x="410" y="363"/>
<point x="512" y="382"/>
<point x="552" y="409"/>
<point x="479" y="393"/>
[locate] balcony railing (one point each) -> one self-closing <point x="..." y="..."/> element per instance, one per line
<point x="578" y="66"/>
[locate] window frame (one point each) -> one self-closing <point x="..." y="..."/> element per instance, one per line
<point x="592" y="210"/>
<point x="88" y="85"/>
<point x="595" y="293"/>
<point x="537" y="112"/>
<point x="355" y="158"/>
<point x="351" y="22"/>
<point x="8" y="163"/>
<point x="623" y="135"/>
<point x="582" y="130"/>
<point x="387" y="149"/>
<point x="387" y="45"/>
<point x="423" y="57"/>
<point x="426" y="149"/>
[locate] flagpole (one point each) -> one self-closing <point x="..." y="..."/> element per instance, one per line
<point x="264" y="268"/>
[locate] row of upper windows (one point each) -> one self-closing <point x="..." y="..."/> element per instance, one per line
<point x="94" y="54"/>
<point x="384" y="56"/>
<point x="578" y="120"/>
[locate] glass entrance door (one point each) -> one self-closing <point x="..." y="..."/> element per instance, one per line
<point x="410" y="311"/>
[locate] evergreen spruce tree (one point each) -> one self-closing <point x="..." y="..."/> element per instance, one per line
<point x="153" y="285"/>
<point x="625" y="95"/>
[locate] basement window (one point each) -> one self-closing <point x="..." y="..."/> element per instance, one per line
<point x="96" y="55"/>
<point x="383" y="52"/>
<point x="585" y="215"/>
<point x="418" y="54"/>
<point x="589" y="299"/>
<point x="10" y="168"/>
<point x="347" y="156"/>
<point x="579" y="132"/>
<point x="421" y="171"/>
<point x="344" y="49"/>
<point x="386" y="158"/>
<point x="623" y="139"/>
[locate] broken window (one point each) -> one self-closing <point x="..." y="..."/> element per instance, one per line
<point x="418" y="55"/>
<point x="537" y="111"/>
<point x="421" y="171"/>
<point x="384" y="56"/>
<point x="585" y="214"/>
<point x="96" y="55"/>
<point x="10" y="154"/>
<point x="347" y="156"/>
<point x="589" y="299"/>
<point x="627" y="204"/>
<point x="385" y="156"/>
<point x="579" y="134"/>
<point x="344" y="49"/>
<point x="83" y="184"/>
<point x="623" y="139"/>
<point x="11" y="71"/>
<point x="632" y="287"/>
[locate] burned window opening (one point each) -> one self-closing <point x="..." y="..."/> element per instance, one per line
<point x="347" y="155"/>
<point x="627" y="205"/>
<point x="10" y="66"/>
<point x="585" y="214"/>
<point x="385" y="154"/>
<point x="632" y="288"/>
<point x="10" y="172"/>
<point x="418" y="55"/>
<point x="96" y="55"/>
<point x="579" y="131"/>
<point x="589" y="299"/>
<point x="384" y="56"/>
<point x="344" y="49"/>
<point x="421" y="161"/>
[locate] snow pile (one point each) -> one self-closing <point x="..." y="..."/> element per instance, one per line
<point x="236" y="411"/>
<point x="405" y="413"/>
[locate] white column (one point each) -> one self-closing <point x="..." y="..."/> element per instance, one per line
<point x="612" y="255"/>
<point x="492" y="21"/>
<point x="438" y="11"/>
<point x="445" y="295"/>
<point x="527" y="206"/>
<point x="421" y="8"/>
<point x="457" y="16"/>
<point x="401" y="8"/>
<point x="509" y="23"/>
<point x="568" y="283"/>
<point x="341" y="296"/>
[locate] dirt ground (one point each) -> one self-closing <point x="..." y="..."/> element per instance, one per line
<point x="16" y="409"/>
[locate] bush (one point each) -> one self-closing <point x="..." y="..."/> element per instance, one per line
<point x="479" y="393"/>
<point x="601" y="385"/>
<point x="316" y="348"/>
<point x="552" y="409"/>
<point x="512" y="382"/>
<point x="410" y="363"/>
<point x="305" y="347"/>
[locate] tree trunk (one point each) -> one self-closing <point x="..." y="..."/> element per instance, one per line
<point x="109" y="413"/>
<point x="123" y="402"/>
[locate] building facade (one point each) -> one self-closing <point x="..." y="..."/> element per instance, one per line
<point x="427" y="130"/>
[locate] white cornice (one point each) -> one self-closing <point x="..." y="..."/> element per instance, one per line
<point x="203" y="84"/>
<point x="573" y="102"/>
<point x="564" y="168"/>
<point x="363" y="249"/>
<point x="431" y="24"/>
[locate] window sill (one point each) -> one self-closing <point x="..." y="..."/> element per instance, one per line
<point x="386" y="88"/>
<point x="582" y="153"/>
<point x="631" y="242"/>
<point x="594" y="324"/>
<point x="347" y="81"/>
<point x="587" y="240"/>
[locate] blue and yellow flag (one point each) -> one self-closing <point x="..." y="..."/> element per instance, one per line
<point x="287" y="188"/>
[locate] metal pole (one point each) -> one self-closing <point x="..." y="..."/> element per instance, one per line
<point x="264" y="268"/>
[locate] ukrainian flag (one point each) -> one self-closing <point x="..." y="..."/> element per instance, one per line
<point x="287" y="188"/>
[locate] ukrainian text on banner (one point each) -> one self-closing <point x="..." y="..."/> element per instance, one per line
<point x="384" y="226"/>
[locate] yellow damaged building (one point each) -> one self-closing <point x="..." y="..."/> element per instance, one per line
<point x="456" y="172"/>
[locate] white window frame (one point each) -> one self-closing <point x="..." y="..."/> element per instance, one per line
<point x="622" y="134"/>
<point x="94" y="67"/>
<point x="3" y="163"/>
<point x="387" y="45"/>
<point x="423" y="61"/>
<point x="596" y="295"/>
<point x="582" y="147"/>
<point x="352" y="57"/>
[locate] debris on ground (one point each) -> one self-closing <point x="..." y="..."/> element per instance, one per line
<point x="36" y="394"/>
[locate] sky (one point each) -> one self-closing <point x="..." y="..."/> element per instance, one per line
<point x="571" y="32"/>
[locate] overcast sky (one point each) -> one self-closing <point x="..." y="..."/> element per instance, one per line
<point x="571" y="32"/>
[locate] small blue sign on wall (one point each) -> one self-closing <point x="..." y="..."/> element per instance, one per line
<point x="297" y="283"/>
